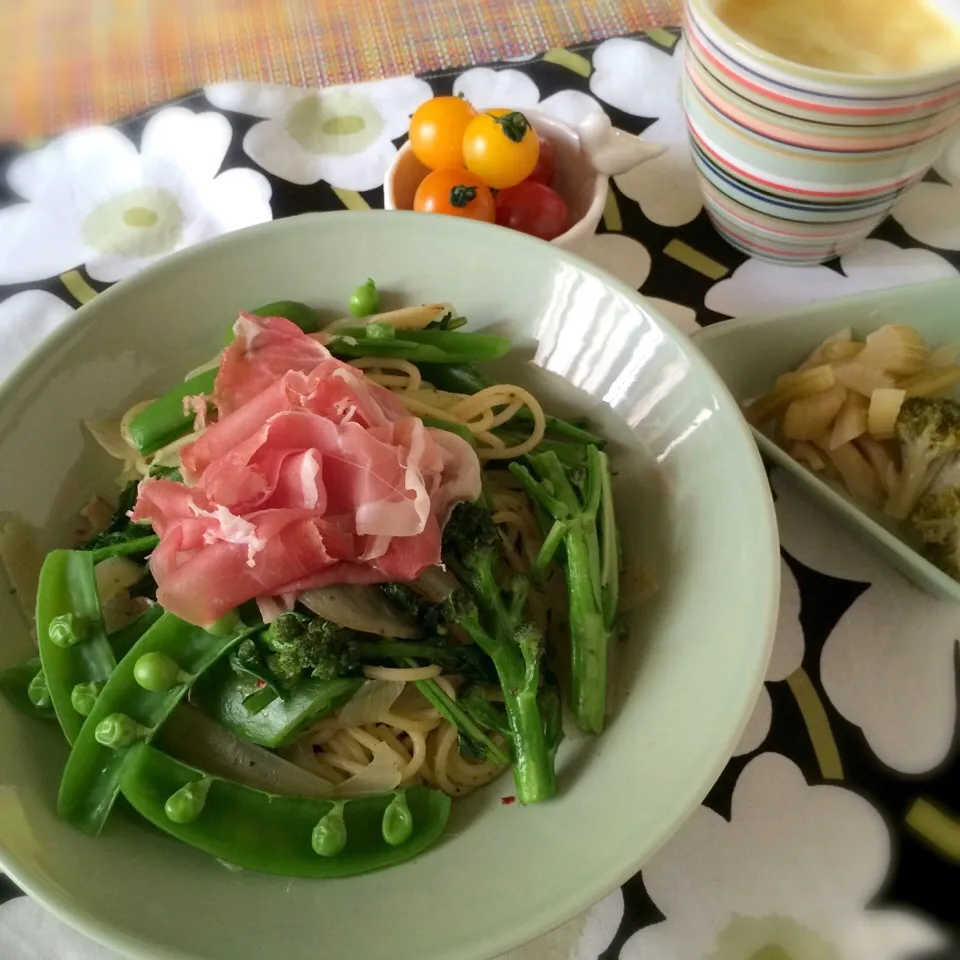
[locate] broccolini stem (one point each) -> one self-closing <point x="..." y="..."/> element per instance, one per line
<point x="141" y="545"/>
<point x="590" y="571"/>
<point x="533" y="770"/>
<point x="609" y="545"/>
<point x="452" y="712"/>
<point x="550" y="546"/>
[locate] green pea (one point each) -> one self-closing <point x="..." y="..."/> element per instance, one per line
<point x="380" y="330"/>
<point x="365" y="300"/>
<point x="119" y="730"/>
<point x="330" y="834"/>
<point x="38" y="692"/>
<point x="397" y="825"/>
<point x="187" y="803"/>
<point x="67" y="630"/>
<point x="158" y="672"/>
<point x="84" y="695"/>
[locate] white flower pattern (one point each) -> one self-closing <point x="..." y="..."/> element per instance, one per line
<point x="487" y="88"/>
<point x="753" y="886"/>
<point x="92" y="198"/>
<point x="343" y="135"/>
<point x="644" y="81"/>
<point x="930" y="212"/>
<point x="760" y="287"/>
<point x="888" y="664"/>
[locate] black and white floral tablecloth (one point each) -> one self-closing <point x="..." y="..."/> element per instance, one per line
<point x="834" y="833"/>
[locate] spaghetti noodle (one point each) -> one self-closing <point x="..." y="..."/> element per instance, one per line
<point x="410" y="743"/>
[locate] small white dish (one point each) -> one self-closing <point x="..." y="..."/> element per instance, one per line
<point x="750" y="352"/>
<point x="587" y="156"/>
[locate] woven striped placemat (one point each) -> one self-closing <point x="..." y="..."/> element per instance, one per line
<point x="92" y="61"/>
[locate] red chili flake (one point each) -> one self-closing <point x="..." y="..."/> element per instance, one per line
<point x="261" y="683"/>
<point x="506" y="801"/>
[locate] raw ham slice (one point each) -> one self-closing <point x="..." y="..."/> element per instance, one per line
<point x="262" y="350"/>
<point x="313" y="476"/>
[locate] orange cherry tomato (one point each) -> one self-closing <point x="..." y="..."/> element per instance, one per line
<point x="458" y="193"/>
<point x="501" y="147"/>
<point x="436" y="131"/>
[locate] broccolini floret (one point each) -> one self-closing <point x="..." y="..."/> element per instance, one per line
<point x="494" y="620"/>
<point x="936" y="520"/>
<point x="301" y="644"/>
<point x="928" y="429"/>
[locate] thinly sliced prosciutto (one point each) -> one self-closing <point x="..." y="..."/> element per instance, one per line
<point x="311" y="476"/>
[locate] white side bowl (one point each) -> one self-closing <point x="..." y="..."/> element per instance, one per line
<point x="587" y="155"/>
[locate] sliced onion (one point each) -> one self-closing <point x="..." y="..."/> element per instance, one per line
<point x="436" y="584"/>
<point x="408" y="318"/>
<point x="98" y="513"/>
<point x="359" y="607"/>
<point x="21" y="559"/>
<point x="123" y="609"/>
<point x="116" y="575"/>
<point x="197" y="740"/>
<point x="381" y="774"/>
<point x="107" y="434"/>
<point x="370" y="703"/>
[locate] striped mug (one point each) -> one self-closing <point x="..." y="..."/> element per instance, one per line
<point x="797" y="164"/>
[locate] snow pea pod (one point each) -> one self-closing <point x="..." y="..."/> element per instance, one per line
<point x="123" y="638"/>
<point x="74" y="648"/>
<point x="427" y="346"/>
<point x="174" y="654"/>
<point x="470" y="347"/>
<point x="165" y="420"/>
<point x="222" y="692"/>
<point x="278" y="835"/>
<point x="25" y="686"/>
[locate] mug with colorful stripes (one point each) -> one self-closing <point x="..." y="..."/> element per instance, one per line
<point x="799" y="161"/>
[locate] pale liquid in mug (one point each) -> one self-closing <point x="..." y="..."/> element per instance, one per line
<point x="850" y="36"/>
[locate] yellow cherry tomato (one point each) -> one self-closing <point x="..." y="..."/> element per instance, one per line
<point x="501" y="147"/>
<point x="436" y="132"/>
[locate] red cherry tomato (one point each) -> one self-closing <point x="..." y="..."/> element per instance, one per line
<point x="533" y="208"/>
<point x="546" y="168"/>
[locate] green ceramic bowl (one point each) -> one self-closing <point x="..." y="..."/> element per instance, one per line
<point x="751" y="352"/>
<point x="694" y="508"/>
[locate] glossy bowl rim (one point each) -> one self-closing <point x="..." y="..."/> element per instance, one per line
<point x="837" y="78"/>
<point x="768" y="591"/>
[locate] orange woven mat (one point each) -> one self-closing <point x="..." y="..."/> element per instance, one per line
<point x="68" y="62"/>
